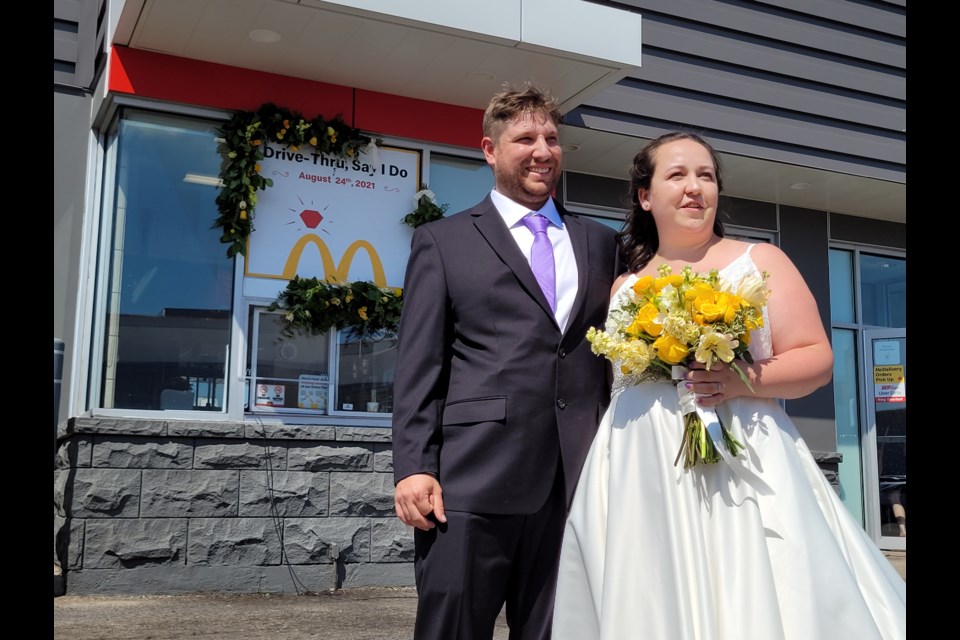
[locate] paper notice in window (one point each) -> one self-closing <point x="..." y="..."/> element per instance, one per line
<point x="270" y="395"/>
<point x="313" y="392"/>
<point x="889" y="383"/>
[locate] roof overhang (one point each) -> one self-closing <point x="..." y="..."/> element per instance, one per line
<point x="460" y="53"/>
<point x="456" y="53"/>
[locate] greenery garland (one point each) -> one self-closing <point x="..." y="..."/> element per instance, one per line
<point x="427" y="208"/>
<point x="317" y="306"/>
<point x="244" y="136"/>
<point x="309" y="304"/>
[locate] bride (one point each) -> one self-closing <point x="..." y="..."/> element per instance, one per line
<point x="756" y="547"/>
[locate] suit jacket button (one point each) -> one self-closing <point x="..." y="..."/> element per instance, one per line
<point x="563" y="352"/>
<point x="561" y="404"/>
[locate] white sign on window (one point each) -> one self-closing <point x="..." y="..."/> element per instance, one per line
<point x="335" y="219"/>
<point x="270" y="395"/>
<point x="886" y="352"/>
<point x="312" y="392"/>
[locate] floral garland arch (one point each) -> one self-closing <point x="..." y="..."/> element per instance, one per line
<point x="309" y="304"/>
<point x="244" y="137"/>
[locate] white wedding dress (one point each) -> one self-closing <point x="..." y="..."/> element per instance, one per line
<point x="656" y="552"/>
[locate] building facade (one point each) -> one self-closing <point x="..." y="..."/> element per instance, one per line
<point x="199" y="446"/>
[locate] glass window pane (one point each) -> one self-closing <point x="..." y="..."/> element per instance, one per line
<point x="171" y="284"/>
<point x="846" y="408"/>
<point x="459" y="182"/>
<point x="883" y="283"/>
<point x="890" y="414"/>
<point x="289" y="372"/>
<point x="841" y="287"/>
<point x="289" y="357"/>
<point x="365" y="373"/>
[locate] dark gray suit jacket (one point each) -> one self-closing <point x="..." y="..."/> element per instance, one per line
<point x="488" y="395"/>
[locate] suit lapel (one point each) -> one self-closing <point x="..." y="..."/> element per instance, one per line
<point x="578" y="238"/>
<point x="491" y="226"/>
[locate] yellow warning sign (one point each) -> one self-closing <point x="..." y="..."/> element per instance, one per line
<point x="888" y="374"/>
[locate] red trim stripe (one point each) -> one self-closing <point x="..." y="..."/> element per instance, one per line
<point x="207" y="84"/>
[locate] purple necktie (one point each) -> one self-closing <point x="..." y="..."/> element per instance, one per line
<point x="541" y="258"/>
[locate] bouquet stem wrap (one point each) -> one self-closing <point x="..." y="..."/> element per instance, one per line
<point x="704" y="433"/>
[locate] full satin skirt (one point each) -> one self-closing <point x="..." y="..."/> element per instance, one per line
<point x="654" y="551"/>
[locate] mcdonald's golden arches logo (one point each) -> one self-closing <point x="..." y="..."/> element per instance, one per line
<point x="336" y="273"/>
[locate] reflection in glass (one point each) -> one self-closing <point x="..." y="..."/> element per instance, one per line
<point x="459" y="182"/>
<point x="841" y="287"/>
<point x="170" y="283"/>
<point x="365" y="373"/>
<point x="890" y="405"/>
<point x="846" y="410"/>
<point x="883" y="284"/>
<point x="289" y="372"/>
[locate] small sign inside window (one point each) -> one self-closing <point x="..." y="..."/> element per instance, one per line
<point x="270" y="395"/>
<point x="312" y="392"/>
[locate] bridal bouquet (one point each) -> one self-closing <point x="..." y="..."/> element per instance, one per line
<point x="664" y="323"/>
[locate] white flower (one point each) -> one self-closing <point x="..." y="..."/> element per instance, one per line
<point x="373" y="151"/>
<point x="714" y="346"/>
<point x="424" y="192"/>
<point x="753" y="290"/>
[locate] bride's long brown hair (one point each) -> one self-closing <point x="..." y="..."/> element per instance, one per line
<point x="639" y="239"/>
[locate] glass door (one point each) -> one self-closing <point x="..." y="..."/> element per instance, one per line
<point x="885" y="444"/>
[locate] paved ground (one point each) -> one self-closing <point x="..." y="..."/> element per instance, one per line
<point x="347" y="614"/>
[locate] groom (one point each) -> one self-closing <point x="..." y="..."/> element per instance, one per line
<point x="497" y="394"/>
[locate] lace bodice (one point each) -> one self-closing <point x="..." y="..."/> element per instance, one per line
<point x="761" y="340"/>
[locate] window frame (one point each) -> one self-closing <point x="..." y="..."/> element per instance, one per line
<point x="859" y="473"/>
<point x="96" y="270"/>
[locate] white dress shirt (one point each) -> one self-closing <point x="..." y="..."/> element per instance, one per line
<point x="564" y="260"/>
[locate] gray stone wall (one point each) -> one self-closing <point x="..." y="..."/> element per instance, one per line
<point x="162" y="506"/>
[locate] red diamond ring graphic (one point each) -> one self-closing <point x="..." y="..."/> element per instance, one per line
<point x="311" y="218"/>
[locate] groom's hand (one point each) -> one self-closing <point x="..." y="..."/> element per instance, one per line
<point x="416" y="497"/>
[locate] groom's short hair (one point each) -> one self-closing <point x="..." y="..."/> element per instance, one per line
<point x="511" y="102"/>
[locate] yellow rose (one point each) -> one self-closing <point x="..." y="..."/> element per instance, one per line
<point x="708" y="312"/>
<point x="731" y="304"/>
<point x="362" y="312"/>
<point x="642" y="285"/>
<point x="243" y="214"/>
<point x="294" y="147"/>
<point x="256" y="167"/>
<point x="670" y="350"/>
<point x="646" y="320"/>
<point x="674" y="279"/>
<point x="313" y="140"/>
